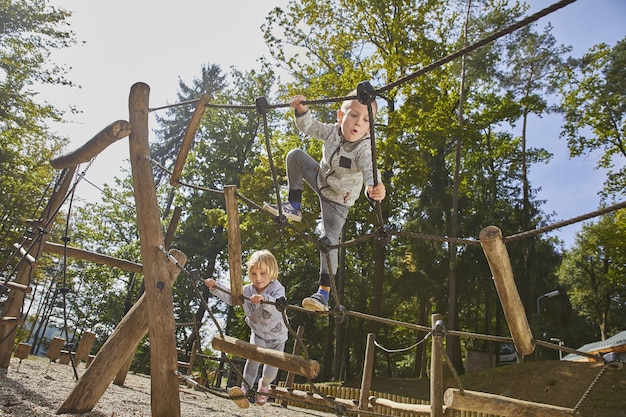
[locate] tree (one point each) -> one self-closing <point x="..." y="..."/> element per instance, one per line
<point x="594" y="272"/>
<point x="29" y="31"/>
<point x="594" y="102"/>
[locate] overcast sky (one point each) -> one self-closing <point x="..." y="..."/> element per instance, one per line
<point x="124" y="42"/>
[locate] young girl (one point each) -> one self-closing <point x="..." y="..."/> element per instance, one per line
<point x="266" y="323"/>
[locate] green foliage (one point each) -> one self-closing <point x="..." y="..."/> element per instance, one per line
<point x="593" y="272"/>
<point x="594" y="102"/>
<point x="29" y="31"/>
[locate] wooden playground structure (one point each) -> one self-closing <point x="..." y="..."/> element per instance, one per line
<point x="153" y="312"/>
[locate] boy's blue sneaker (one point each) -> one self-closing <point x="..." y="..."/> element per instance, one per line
<point x="316" y="302"/>
<point x="288" y="210"/>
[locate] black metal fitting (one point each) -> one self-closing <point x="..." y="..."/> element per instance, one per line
<point x="339" y="313"/>
<point x="281" y="304"/>
<point x="612" y="360"/>
<point x="324" y="244"/>
<point x="383" y="234"/>
<point x="365" y="93"/>
<point x="262" y="106"/>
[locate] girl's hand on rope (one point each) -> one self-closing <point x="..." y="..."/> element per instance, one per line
<point x="296" y="103"/>
<point x="211" y="283"/>
<point x="377" y="193"/>
<point x="257" y="298"/>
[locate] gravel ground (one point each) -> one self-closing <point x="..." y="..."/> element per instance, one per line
<point x="36" y="387"/>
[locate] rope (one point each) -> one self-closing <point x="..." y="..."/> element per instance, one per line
<point x="379" y="346"/>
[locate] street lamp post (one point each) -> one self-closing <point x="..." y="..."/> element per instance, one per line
<point x="550" y="294"/>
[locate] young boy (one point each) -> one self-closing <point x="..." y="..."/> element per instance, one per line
<point x="337" y="179"/>
<point x="266" y="323"/>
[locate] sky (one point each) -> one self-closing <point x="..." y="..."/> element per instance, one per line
<point x="158" y="43"/>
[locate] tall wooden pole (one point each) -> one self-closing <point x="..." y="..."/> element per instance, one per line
<point x="436" y="368"/>
<point x="163" y="358"/>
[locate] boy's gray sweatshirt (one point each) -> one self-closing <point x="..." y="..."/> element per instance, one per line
<point x="345" y="166"/>
<point x="264" y="320"/>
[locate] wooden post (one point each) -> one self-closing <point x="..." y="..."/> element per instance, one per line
<point x="500" y="265"/>
<point x="84" y="346"/>
<point x="368" y="370"/>
<point x="196" y="117"/>
<point x="54" y="350"/>
<point x="436" y="367"/>
<point x="291" y="363"/>
<point x="492" y="404"/>
<point x="116" y="351"/>
<point x="158" y="289"/>
<point x="234" y="245"/>
<point x="297" y="348"/>
<point x="110" y="134"/>
<point x="22" y="351"/>
<point x="15" y="299"/>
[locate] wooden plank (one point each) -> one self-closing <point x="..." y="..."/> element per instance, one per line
<point x="500" y="265"/>
<point x="190" y="133"/>
<point x="286" y="361"/>
<point x="486" y="403"/>
<point x="110" y="134"/>
<point x="234" y="245"/>
<point x="18" y="287"/>
<point x="23" y="350"/>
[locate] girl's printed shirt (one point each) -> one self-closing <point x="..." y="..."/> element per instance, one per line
<point x="264" y="319"/>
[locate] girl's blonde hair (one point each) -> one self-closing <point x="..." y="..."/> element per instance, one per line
<point x="264" y="260"/>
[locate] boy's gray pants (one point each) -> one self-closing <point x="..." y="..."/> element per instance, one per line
<point x="301" y="166"/>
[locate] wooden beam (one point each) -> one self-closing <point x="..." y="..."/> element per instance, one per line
<point x="436" y="368"/>
<point x="500" y="265"/>
<point x="234" y="245"/>
<point x="190" y="133"/>
<point x="84" y="346"/>
<point x="368" y="370"/>
<point x="110" y="134"/>
<point x="59" y="249"/>
<point x="489" y="404"/>
<point x="297" y="347"/>
<point x="54" y="350"/>
<point x="286" y="361"/>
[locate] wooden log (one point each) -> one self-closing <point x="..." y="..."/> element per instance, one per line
<point x="502" y="406"/>
<point x="110" y="134"/>
<point x="23" y="350"/>
<point x="297" y="348"/>
<point x="190" y="133"/>
<point x="436" y="368"/>
<point x="171" y="228"/>
<point x="158" y="289"/>
<point x="115" y="352"/>
<point x="78" y="253"/>
<point x="368" y="370"/>
<point x="19" y="287"/>
<point x="54" y="350"/>
<point x="308" y="398"/>
<point x="64" y="358"/>
<point x="84" y="346"/>
<point x="25" y="255"/>
<point x="419" y="409"/>
<point x="15" y="300"/>
<point x="286" y="361"/>
<point x="500" y="265"/>
<point x="234" y="245"/>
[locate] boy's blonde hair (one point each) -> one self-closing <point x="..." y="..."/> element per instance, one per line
<point x="347" y="103"/>
<point x="264" y="260"/>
